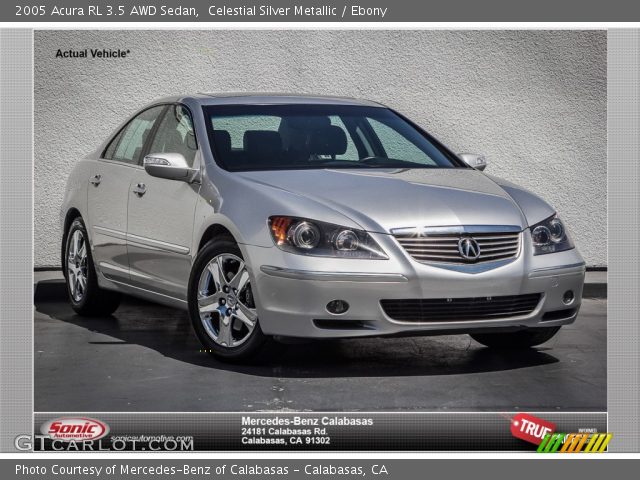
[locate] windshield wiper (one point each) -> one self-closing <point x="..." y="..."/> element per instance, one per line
<point x="383" y="162"/>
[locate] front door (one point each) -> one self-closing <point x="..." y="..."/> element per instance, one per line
<point x="161" y="213"/>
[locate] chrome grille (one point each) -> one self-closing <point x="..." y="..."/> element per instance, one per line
<point x="443" y="247"/>
<point x="460" y="309"/>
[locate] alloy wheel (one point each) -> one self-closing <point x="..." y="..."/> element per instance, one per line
<point x="77" y="265"/>
<point x="225" y="301"/>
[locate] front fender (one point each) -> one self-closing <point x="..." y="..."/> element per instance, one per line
<point x="243" y="207"/>
<point x="533" y="207"/>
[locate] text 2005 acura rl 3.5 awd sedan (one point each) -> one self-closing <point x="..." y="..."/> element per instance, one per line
<point x="311" y="217"/>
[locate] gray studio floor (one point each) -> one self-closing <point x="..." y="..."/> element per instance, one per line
<point x="146" y="358"/>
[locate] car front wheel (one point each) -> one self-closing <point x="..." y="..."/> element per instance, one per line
<point x="222" y="305"/>
<point x="520" y="339"/>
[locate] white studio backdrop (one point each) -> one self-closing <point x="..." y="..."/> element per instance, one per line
<point x="534" y="102"/>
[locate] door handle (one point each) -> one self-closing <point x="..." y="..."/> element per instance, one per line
<point x="140" y="189"/>
<point x="95" y="180"/>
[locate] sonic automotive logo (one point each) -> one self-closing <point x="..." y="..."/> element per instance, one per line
<point x="75" y="429"/>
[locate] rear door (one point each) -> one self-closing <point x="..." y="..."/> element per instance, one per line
<point x="161" y="212"/>
<point x="108" y="194"/>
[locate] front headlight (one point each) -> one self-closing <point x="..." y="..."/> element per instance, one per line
<point x="310" y="237"/>
<point x="550" y="236"/>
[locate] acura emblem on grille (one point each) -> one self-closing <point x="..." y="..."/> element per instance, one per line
<point x="469" y="248"/>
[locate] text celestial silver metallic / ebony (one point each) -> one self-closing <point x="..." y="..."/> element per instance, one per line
<point x="269" y="216"/>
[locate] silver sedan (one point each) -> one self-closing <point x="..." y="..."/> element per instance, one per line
<point x="275" y="216"/>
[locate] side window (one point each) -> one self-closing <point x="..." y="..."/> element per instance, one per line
<point x="397" y="146"/>
<point x="108" y="153"/>
<point x="127" y="145"/>
<point x="175" y="134"/>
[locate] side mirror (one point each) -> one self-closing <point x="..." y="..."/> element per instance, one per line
<point x="479" y="162"/>
<point x="172" y="166"/>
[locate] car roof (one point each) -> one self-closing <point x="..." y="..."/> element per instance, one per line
<point x="246" y="98"/>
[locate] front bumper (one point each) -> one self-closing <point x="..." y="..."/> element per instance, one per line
<point x="292" y="291"/>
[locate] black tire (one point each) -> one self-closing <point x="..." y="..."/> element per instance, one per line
<point x="94" y="301"/>
<point x="516" y="340"/>
<point x="256" y="344"/>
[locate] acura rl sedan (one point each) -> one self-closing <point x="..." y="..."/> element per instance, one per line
<point x="282" y="216"/>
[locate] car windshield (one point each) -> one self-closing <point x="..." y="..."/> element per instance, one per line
<point x="283" y="137"/>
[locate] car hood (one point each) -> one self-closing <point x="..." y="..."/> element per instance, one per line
<point x="384" y="199"/>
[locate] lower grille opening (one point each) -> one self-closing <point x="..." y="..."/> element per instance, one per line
<point x="341" y="324"/>
<point x="460" y="309"/>
<point x="559" y="314"/>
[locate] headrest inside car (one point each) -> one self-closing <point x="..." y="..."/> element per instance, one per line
<point x="329" y="140"/>
<point x="305" y="123"/>
<point x="222" y="141"/>
<point x="262" y="143"/>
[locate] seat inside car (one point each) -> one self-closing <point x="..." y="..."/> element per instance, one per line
<point x="263" y="147"/>
<point x="295" y="133"/>
<point x="222" y="141"/>
<point x="330" y="140"/>
<point x="174" y="142"/>
<point x="138" y="150"/>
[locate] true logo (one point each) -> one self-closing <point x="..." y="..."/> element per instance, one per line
<point x="531" y="428"/>
<point x="71" y="429"/>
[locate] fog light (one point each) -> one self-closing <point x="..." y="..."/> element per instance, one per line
<point x="568" y="297"/>
<point x="337" y="307"/>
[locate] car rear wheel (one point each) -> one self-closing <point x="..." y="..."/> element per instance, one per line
<point x="86" y="297"/>
<point x="513" y="340"/>
<point x="222" y="306"/>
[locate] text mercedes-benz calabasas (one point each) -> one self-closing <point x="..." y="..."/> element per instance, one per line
<point x="312" y="217"/>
